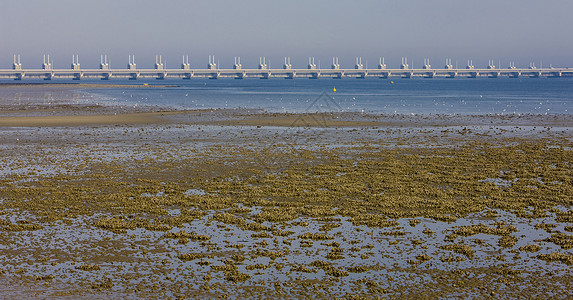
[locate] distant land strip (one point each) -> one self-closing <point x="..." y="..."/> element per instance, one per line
<point x="83" y="85"/>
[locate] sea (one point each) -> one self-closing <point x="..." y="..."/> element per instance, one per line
<point x="450" y="96"/>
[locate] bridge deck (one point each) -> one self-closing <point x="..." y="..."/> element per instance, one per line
<point x="277" y="73"/>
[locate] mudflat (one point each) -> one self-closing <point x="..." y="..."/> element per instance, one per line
<point x="99" y="202"/>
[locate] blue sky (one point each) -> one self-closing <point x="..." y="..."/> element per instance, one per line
<point x="502" y="30"/>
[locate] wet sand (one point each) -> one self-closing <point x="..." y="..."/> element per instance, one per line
<point x="28" y="85"/>
<point x="56" y="120"/>
<point x="238" y="203"/>
<point x="70" y="115"/>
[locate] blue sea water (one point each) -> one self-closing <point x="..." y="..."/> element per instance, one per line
<point x="389" y="96"/>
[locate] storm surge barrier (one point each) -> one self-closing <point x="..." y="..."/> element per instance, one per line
<point x="263" y="71"/>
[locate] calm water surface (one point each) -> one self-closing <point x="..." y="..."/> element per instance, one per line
<point x="390" y="96"/>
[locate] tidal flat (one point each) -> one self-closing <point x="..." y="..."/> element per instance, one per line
<point x="235" y="204"/>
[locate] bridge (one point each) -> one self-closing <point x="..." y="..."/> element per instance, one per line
<point x="213" y="71"/>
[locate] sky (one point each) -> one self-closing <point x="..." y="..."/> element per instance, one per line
<point x="522" y="31"/>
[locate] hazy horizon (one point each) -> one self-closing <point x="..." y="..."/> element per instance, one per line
<point x="521" y="31"/>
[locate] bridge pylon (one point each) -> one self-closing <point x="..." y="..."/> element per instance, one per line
<point x="185" y="64"/>
<point x="470" y="65"/>
<point x="159" y="63"/>
<point x="212" y="65"/>
<point x="47" y="65"/>
<point x="17" y="65"/>
<point x="448" y="65"/>
<point x="263" y="63"/>
<point x="103" y="63"/>
<point x="404" y="64"/>
<point x="359" y="65"/>
<point x="381" y="64"/>
<point x="287" y="65"/>
<point x="237" y="65"/>
<point x="311" y="64"/>
<point x="427" y="64"/>
<point x="490" y="64"/>
<point x="131" y="64"/>
<point x="75" y="62"/>
<point x="335" y="64"/>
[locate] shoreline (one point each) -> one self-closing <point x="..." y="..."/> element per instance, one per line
<point x="85" y="120"/>
<point x="75" y="115"/>
<point x="82" y="85"/>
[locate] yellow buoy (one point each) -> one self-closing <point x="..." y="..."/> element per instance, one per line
<point x="334" y="90"/>
<point x="392" y="82"/>
<point x="145" y="84"/>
